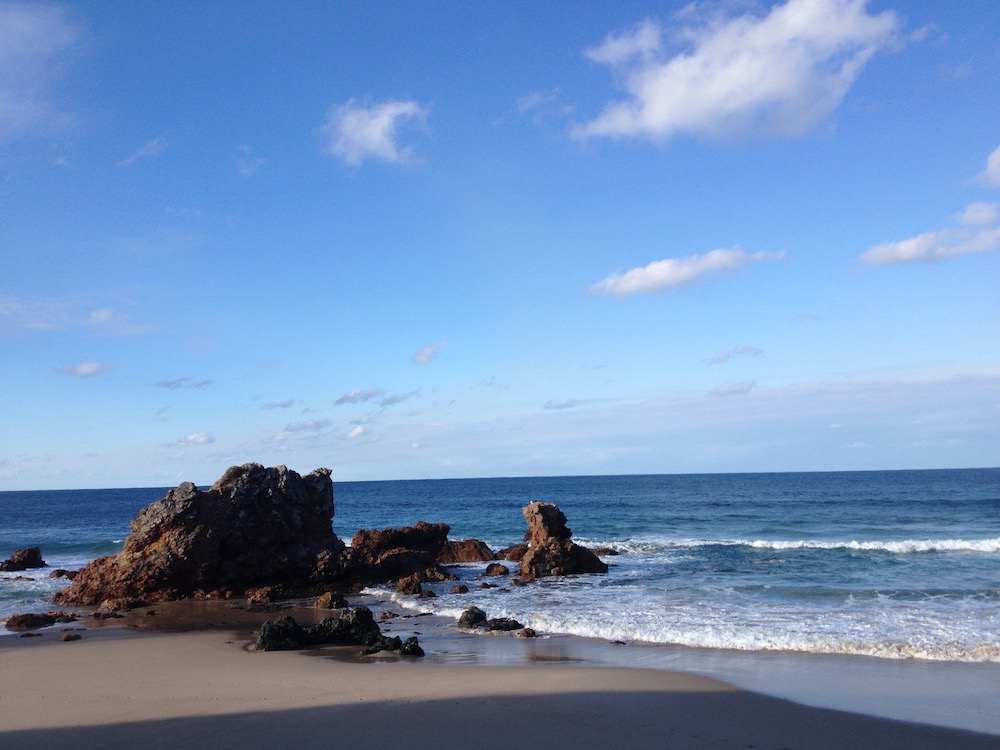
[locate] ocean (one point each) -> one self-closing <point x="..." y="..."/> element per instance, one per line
<point x="889" y="564"/>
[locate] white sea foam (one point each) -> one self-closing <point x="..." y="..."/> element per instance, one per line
<point x="661" y="545"/>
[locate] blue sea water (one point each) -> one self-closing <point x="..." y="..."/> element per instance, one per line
<point x="894" y="564"/>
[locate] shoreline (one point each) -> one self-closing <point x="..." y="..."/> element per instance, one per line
<point x="954" y="699"/>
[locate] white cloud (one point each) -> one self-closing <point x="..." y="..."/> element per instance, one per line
<point x="734" y="389"/>
<point x="33" y="40"/>
<point x="357" y="432"/>
<point x="88" y="369"/>
<point x="145" y="151"/>
<point x="199" y="438"/>
<point x="359" y="395"/>
<point x="674" y="272"/>
<point x="560" y="405"/>
<point x="427" y="354"/>
<point x="737" y="76"/>
<point x="186" y="382"/>
<point x="992" y="173"/>
<point x="356" y="132"/>
<point x="977" y="232"/>
<point x="719" y="357"/>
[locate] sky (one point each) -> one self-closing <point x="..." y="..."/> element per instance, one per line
<point x="453" y="239"/>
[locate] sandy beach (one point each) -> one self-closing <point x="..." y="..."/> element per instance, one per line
<point x="117" y="688"/>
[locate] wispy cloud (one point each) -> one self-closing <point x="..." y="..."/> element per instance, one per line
<point x="355" y="132"/>
<point x="977" y="231"/>
<point x="286" y="404"/>
<point x="360" y="395"/>
<point x="675" y="272"/>
<point x="357" y="431"/>
<point x="719" y="357"/>
<point x="741" y="75"/>
<point x="145" y="151"/>
<point x="397" y="398"/>
<point x="427" y="354"/>
<point x="992" y="173"/>
<point x="186" y="382"/>
<point x="309" y="425"/>
<point x="561" y="405"/>
<point x="64" y="314"/>
<point x="34" y="38"/>
<point x="198" y="438"/>
<point x="88" y="369"/>
<point x="246" y="163"/>
<point x="734" y="389"/>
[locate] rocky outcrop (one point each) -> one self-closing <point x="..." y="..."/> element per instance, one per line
<point x="255" y="527"/>
<point x="475" y="619"/>
<point x="550" y="550"/>
<point x="356" y="627"/>
<point x="35" y="620"/>
<point x="465" y="551"/>
<point x="23" y="559"/>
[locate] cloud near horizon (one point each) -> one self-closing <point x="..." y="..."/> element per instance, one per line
<point x="675" y="272"/>
<point x="355" y="132"/>
<point x="739" y="76"/>
<point x="977" y="231"/>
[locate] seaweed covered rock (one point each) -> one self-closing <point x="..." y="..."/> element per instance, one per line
<point x="551" y="552"/>
<point x="352" y="627"/>
<point x="255" y="527"/>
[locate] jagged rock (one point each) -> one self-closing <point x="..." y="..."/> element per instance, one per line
<point x="23" y="559"/>
<point x="513" y="553"/>
<point x="471" y="618"/>
<point x="605" y="551"/>
<point x="63" y="573"/>
<point x="497" y="569"/>
<point x="263" y="595"/>
<point x="371" y="544"/>
<point x="255" y="527"/>
<point x="550" y="550"/>
<point x="465" y="551"/>
<point x="350" y="627"/>
<point x="409" y="585"/>
<point x="331" y="600"/>
<point x="411" y="647"/>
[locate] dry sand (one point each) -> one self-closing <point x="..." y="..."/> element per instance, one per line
<point x="204" y="689"/>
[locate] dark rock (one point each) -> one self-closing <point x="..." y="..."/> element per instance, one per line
<point x="502" y="624"/>
<point x="461" y="588"/>
<point x="350" y="627"/>
<point x="605" y="551"/>
<point x="473" y="617"/>
<point x="30" y="621"/>
<point x="497" y="569"/>
<point x="370" y="545"/>
<point x="411" y="647"/>
<point x="388" y="615"/>
<point x="70" y="637"/>
<point x="124" y="604"/>
<point x="465" y="551"/>
<point x="485" y="585"/>
<point x="409" y="585"/>
<point x="63" y="573"/>
<point x="426" y="594"/>
<point x="331" y="600"/>
<point x="526" y="633"/>
<point x="550" y="551"/>
<point x="255" y="527"/>
<point x="23" y="559"/>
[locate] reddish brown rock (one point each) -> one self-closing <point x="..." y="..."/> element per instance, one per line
<point x="23" y="559"/>
<point x="460" y="588"/>
<point x="255" y="527"/>
<point x="497" y="569"/>
<point x="550" y="550"/>
<point x="514" y="553"/>
<point x="465" y="551"/>
<point x="30" y="621"/>
<point x="409" y="585"/>
<point x="331" y="600"/>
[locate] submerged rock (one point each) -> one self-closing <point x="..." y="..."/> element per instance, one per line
<point x="551" y="552"/>
<point x="255" y="527"/>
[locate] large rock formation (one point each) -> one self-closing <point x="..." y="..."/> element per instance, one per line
<point x="386" y="554"/>
<point x="23" y="559"/>
<point x="550" y="550"/>
<point x="255" y="527"/>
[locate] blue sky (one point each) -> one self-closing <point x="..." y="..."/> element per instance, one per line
<point x="450" y="239"/>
